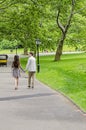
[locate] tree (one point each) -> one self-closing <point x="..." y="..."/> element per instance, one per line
<point x="25" y="21"/>
<point x="64" y="21"/>
<point x="64" y="28"/>
<point x="20" y="21"/>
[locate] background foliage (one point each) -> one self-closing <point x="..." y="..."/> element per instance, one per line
<point x="25" y="21"/>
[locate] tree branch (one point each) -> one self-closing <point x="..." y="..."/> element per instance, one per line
<point x="59" y="23"/>
<point x="70" y="16"/>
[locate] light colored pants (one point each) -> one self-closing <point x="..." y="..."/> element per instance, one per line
<point x="31" y="77"/>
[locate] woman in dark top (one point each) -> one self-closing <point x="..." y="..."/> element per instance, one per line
<point x="16" y="70"/>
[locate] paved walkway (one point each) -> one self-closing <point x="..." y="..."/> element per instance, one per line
<point x="37" y="109"/>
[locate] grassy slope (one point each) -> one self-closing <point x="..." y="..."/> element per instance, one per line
<point x="68" y="76"/>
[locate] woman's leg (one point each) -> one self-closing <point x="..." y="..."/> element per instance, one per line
<point x="16" y="83"/>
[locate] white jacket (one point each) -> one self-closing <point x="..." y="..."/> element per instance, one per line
<point x="31" y="64"/>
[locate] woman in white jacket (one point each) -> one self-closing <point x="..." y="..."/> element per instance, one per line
<point x="31" y="68"/>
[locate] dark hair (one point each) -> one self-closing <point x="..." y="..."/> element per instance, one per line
<point x="31" y="53"/>
<point x="16" y="62"/>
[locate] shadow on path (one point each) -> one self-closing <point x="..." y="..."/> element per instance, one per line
<point x="25" y="96"/>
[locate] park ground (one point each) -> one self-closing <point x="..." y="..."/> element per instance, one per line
<point x="40" y="108"/>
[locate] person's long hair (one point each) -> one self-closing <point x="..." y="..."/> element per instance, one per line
<point x="16" y="62"/>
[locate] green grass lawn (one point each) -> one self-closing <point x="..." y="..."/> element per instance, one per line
<point x="21" y="50"/>
<point x="7" y="51"/>
<point x="67" y="76"/>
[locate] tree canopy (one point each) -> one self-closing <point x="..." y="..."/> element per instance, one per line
<point x="25" y="21"/>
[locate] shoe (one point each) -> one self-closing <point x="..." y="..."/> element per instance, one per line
<point x="32" y="87"/>
<point x="28" y="86"/>
<point x="16" y="88"/>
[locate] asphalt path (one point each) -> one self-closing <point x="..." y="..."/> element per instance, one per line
<point x="40" y="108"/>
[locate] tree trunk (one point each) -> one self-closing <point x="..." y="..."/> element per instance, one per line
<point x="25" y="50"/>
<point x="63" y="29"/>
<point x="59" y="49"/>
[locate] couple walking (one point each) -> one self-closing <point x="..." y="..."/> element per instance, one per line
<point x="30" y="67"/>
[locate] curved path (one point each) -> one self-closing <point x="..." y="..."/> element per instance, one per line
<point x="40" y="108"/>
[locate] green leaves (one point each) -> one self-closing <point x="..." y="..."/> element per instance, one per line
<point x="26" y="20"/>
